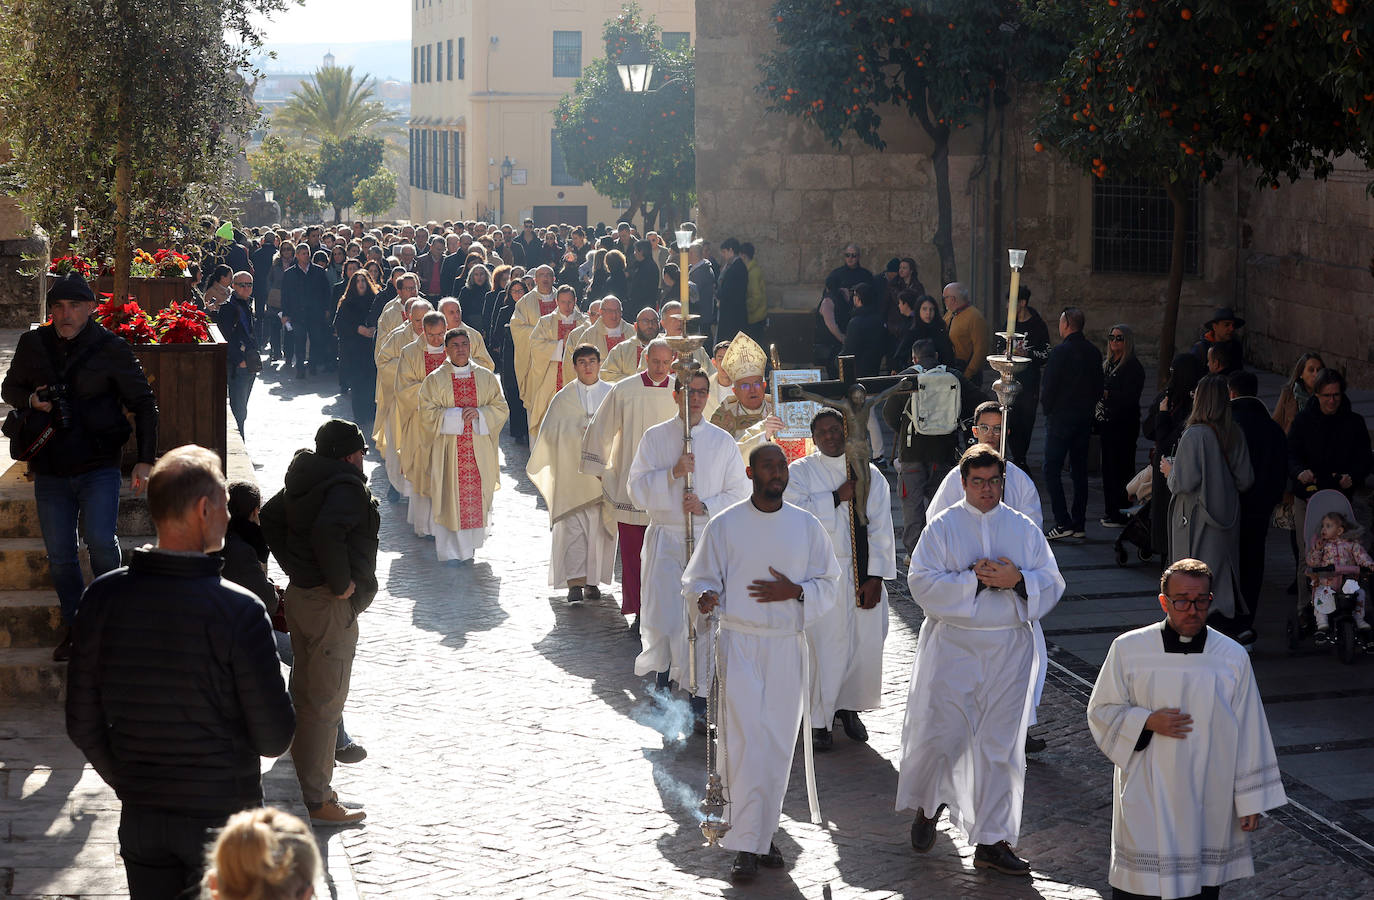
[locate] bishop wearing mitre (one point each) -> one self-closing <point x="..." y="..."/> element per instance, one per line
<point x="463" y="409"/>
<point x="748" y="416"/>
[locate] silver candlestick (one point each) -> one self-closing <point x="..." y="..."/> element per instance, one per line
<point x="1006" y="387"/>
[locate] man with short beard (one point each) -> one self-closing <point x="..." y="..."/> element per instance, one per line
<point x="627" y="357"/>
<point x="769" y="568"/>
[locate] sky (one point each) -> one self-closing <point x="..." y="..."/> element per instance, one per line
<point x="341" y="21"/>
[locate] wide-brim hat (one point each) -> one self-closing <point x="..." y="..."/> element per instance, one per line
<point x="1224" y="314"/>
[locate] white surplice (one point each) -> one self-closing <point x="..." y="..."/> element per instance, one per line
<point x="963" y="739"/>
<point x="763" y="652"/>
<point x="719" y="482"/>
<point x="1177" y="803"/>
<point x="583" y="547"/>
<point x="848" y="641"/>
<point x="1018" y="492"/>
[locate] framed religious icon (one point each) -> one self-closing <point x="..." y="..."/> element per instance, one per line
<point x="796" y="415"/>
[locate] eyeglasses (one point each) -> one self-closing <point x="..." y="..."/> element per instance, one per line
<point x="1183" y="604"/>
<point x="750" y="385"/>
<point x="980" y="483"/>
<point x="994" y="428"/>
<point x="851" y="256"/>
<point x="1116" y="338"/>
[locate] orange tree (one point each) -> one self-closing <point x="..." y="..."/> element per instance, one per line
<point x="1173" y="90"/>
<point x="639" y="147"/>
<point x="945" y="63"/>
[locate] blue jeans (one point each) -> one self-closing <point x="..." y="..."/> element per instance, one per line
<point x="1068" y="440"/>
<point x="240" y="386"/>
<point x="90" y="501"/>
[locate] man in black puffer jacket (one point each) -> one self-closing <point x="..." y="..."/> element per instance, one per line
<point x="322" y="527"/>
<point x="174" y="689"/>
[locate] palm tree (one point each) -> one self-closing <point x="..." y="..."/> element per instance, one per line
<point x="331" y="105"/>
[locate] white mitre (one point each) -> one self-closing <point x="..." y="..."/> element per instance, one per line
<point x="744" y="358"/>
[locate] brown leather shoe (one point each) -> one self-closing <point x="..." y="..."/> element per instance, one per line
<point x="331" y="812"/>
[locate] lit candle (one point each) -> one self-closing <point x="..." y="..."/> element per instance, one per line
<point x="684" y="239"/>
<point x="1018" y="259"/>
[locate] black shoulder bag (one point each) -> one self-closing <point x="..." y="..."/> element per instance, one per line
<point x="29" y="430"/>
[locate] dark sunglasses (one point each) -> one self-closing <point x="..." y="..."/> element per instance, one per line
<point x="1116" y="338"/>
<point x="851" y="256"/>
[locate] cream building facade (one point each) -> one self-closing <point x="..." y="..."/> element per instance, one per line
<point x="486" y="80"/>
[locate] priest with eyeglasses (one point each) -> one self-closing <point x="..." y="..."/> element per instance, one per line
<point x="982" y="573"/>
<point x="1177" y="710"/>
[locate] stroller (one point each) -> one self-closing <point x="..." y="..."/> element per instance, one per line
<point x="1139" y="532"/>
<point x="1348" y="641"/>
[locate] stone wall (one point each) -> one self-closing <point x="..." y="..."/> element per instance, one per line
<point x="1308" y="274"/>
<point x="775" y="181"/>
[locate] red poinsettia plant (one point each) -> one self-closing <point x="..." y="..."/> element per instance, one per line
<point x="128" y="320"/>
<point x="65" y="265"/>
<point x="182" y="323"/>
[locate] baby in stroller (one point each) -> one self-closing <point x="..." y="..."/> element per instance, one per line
<point x="1336" y="543"/>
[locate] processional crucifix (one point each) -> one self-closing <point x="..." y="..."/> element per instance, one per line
<point x="851" y="397"/>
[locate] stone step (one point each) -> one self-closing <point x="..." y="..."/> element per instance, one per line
<point x="19" y="510"/>
<point x="30" y="619"/>
<point x="30" y="673"/>
<point x="23" y="565"/>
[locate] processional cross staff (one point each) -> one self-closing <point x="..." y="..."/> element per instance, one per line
<point x="850" y="396"/>
<point x="855" y="399"/>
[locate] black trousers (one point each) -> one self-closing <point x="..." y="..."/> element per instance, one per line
<point x="1118" y="465"/>
<point x="1254" y="529"/>
<point x="164" y="853"/>
<point x="1022" y="416"/>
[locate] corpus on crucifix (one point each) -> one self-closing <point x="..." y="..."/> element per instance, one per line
<point x="855" y="399"/>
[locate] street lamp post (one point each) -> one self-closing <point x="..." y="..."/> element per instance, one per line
<point x="507" y="169"/>
<point x="316" y="192"/>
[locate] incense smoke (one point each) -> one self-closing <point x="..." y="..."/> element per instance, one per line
<point x="672" y="718"/>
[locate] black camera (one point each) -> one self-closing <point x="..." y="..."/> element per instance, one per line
<point x="56" y="394"/>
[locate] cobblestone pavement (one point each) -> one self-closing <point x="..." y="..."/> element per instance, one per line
<point x="514" y="754"/>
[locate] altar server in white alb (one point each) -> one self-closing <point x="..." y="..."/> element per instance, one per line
<point x="658" y="485"/>
<point x="769" y="568"/>
<point x="1018" y="492"/>
<point x="849" y="640"/>
<point x="982" y="572"/>
<point x="583" y="555"/>
<point x="608" y="449"/>
<point x="463" y="409"/>
<point x="1176" y="709"/>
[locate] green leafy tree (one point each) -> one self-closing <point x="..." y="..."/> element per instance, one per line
<point x="1173" y="90"/>
<point x="332" y="105"/>
<point x="376" y="193"/>
<point x="639" y="147"/>
<point x="287" y="174"/>
<point x="129" y="108"/>
<point x="841" y="64"/>
<point x="343" y="164"/>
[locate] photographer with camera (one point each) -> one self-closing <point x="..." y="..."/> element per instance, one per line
<point x="69" y="383"/>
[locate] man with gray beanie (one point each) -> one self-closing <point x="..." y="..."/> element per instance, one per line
<point x="322" y="526"/>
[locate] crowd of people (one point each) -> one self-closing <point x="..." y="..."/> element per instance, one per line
<point x="446" y="335"/>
